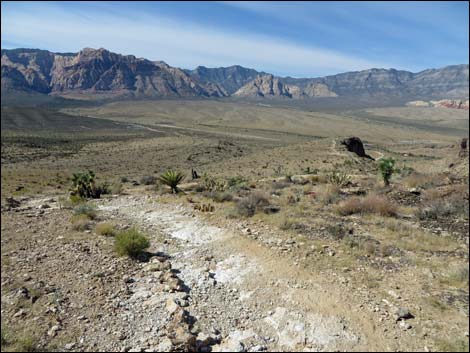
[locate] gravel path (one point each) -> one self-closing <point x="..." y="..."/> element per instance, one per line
<point x="237" y="293"/>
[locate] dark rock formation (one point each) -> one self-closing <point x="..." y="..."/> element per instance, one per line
<point x="354" y="144"/>
<point x="463" y="147"/>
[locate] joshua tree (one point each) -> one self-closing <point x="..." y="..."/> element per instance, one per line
<point x="387" y="168"/>
<point x="172" y="179"/>
<point x="84" y="185"/>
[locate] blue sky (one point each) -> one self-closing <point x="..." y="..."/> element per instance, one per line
<point x="300" y="39"/>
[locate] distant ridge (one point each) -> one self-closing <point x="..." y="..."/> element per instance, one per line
<point x="99" y="73"/>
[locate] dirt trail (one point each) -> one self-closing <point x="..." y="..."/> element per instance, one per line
<point x="253" y="298"/>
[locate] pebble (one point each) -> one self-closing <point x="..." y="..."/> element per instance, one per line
<point x="69" y="346"/>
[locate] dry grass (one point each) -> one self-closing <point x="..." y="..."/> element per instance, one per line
<point x="440" y="208"/>
<point x="369" y="204"/>
<point x="254" y="202"/>
<point x="81" y="222"/>
<point x="329" y="195"/>
<point x="415" y="180"/>
<point x="106" y="229"/>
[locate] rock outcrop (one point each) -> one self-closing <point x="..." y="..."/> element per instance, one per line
<point x="443" y="103"/>
<point x="354" y="144"/>
<point x="271" y="86"/>
<point x="266" y="86"/>
<point x="463" y="147"/>
<point x="230" y="79"/>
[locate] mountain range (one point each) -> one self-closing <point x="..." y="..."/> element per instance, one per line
<point x="99" y="73"/>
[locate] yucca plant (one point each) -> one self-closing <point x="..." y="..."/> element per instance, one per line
<point x="84" y="185"/>
<point x="387" y="168"/>
<point x="338" y="178"/>
<point x="172" y="179"/>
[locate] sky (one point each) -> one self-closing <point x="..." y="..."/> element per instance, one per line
<point x="298" y="39"/>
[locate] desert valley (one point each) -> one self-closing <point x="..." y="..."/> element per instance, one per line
<point x="147" y="207"/>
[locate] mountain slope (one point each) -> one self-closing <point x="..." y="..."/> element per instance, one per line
<point x="97" y="71"/>
<point x="100" y="73"/>
<point x="444" y="83"/>
<point x="228" y="78"/>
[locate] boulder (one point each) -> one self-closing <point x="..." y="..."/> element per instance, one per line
<point x="354" y="144"/>
<point x="463" y="147"/>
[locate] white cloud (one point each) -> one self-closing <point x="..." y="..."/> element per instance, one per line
<point x="179" y="43"/>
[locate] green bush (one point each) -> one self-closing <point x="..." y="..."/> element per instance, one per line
<point x="131" y="243"/>
<point x="85" y="209"/>
<point x="84" y="186"/>
<point x="235" y="181"/>
<point x="387" y="168"/>
<point x="172" y="179"/>
<point x="76" y="199"/>
<point x="4" y="337"/>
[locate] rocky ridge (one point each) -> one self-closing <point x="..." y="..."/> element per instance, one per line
<point x="100" y="73"/>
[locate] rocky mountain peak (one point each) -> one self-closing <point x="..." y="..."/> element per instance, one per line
<point x="99" y="71"/>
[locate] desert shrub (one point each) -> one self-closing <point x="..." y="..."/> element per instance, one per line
<point x="369" y="247"/>
<point x="4" y="337"/>
<point x="278" y="170"/>
<point x="249" y="205"/>
<point x="286" y="224"/>
<point x="104" y="188"/>
<point x="457" y="276"/>
<point x="124" y="179"/>
<point x="106" y="229"/>
<point x="387" y="168"/>
<point x="397" y="226"/>
<point x="148" y="180"/>
<point x="81" y="222"/>
<point x="236" y="181"/>
<point x="405" y="171"/>
<point x="213" y="184"/>
<point x="131" y="243"/>
<point x="310" y="170"/>
<point x="116" y="188"/>
<point x="338" y="178"/>
<point x="280" y="185"/>
<point x="84" y="185"/>
<point x="26" y="344"/>
<point x="292" y="199"/>
<point x="336" y="230"/>
<point x="329" y="195"/>
<point x="414" y="180"/>
<point x="85" y="209"/>
<point x="221" y="196"/>
<point x="351" y="243"/>
<point x="369" y="204"/>
<point x="172" y="179"/>
<point x="76" y="199"/>
<point x="440" y="208"/>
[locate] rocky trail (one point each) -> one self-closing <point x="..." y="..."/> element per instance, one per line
<point x="207" y="285"/>
<point x="227" y="292"/>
